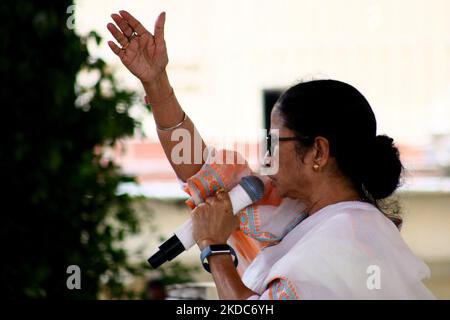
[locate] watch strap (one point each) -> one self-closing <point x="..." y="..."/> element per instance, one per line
<point x="215" y="249"/>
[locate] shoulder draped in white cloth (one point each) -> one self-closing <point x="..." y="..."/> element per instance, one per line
<point x="334" y="254"/>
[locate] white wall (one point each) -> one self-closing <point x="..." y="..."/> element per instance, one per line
<point x="223" y="53"/>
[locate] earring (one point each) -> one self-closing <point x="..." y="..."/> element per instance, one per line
<point x="316" y="167"/>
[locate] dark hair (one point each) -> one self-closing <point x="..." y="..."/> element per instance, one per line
<point x="339" y="112"/>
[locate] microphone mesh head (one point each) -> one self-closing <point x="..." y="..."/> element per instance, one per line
<point x="253" y="186"/>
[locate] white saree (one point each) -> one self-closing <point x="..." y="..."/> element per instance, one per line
<point x="348" y="250"/>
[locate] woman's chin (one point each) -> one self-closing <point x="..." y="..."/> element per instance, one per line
<point x="277" y="188"/>
<point x="278" y="191"/>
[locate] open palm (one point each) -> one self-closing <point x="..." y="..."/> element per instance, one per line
<point x="143" y="53"/>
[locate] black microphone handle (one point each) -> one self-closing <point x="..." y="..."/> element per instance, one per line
<point x="167" y="251"/>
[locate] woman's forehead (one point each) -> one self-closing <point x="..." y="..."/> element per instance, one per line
<point x="277" y="122"/>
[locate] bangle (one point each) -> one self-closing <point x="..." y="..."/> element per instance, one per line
<point x="175" y="126"/>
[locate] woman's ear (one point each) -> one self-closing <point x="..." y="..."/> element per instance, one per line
<point x="322" y="152"/>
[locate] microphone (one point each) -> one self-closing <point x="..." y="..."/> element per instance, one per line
<point x="249" y="190"/>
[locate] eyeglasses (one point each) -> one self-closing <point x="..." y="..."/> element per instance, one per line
<point x="273" y="139"/>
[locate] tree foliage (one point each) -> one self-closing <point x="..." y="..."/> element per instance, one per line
<point x="59" y="205"/>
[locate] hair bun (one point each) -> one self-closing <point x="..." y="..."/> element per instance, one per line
<point x="382" y="174"/>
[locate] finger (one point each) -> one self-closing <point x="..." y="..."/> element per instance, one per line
<point x="195" y="212"/>
<point x="133" y="22"/>
<point x="119" y="36"/>
<point x="222" y="195"/>
<point x="237" y="222"/>
<point x="114" y="47"/>
<point x="123" y="25"/>
<point x="210" y="200"/>
<point x="201" y="207"/>
<point x="159" y="27"/>
<point x="118" y="51"/>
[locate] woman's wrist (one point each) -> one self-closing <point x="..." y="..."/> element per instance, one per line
<point x="158" y="89"/>
<point x="202" y="244"/>
<point x="224" y="260"/>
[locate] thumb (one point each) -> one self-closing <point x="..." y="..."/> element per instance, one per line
<point x="159" y="27"/>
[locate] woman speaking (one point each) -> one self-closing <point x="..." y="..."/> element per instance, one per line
<point x="321" y="230"/>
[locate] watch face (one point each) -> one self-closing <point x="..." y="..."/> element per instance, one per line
<point x="219" y="247"/>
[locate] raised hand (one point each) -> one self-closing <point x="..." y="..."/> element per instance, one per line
<point x="143" y="53"/>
